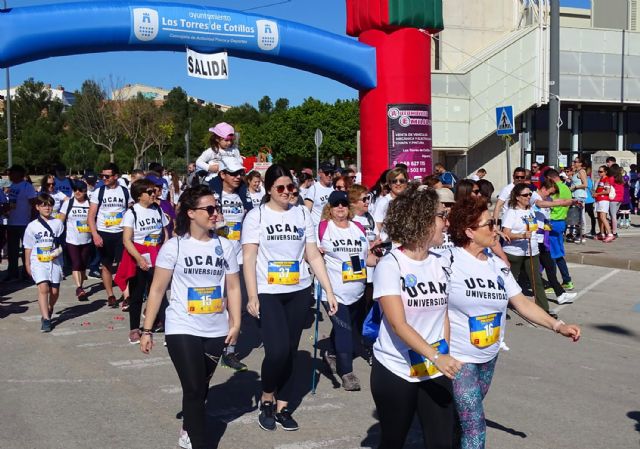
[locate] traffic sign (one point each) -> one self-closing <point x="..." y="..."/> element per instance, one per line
<point x="318" y="137"/>
<point x="504" y="120"/>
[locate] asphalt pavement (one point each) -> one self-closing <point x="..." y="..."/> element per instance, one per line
<point x="84" y="385"/>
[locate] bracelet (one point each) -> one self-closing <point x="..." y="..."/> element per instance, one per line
<point x="435" y="358"/>
<point x="147" y="331"/>
<point x="557" y="325"/>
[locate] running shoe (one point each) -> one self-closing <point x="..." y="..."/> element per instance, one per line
<point x="81" y="294"/>
<point x="231" y="361"/>
<point x="566" y="298"/>
<point x="330" y="360"/>
<point x="285" y="420"/>
<point x="124" y="305"/>
<point x="600" y="237"/>
<point x="112" y="301"/>
<point x="158" y="327"/>
<point x="583" y="240"/>
<point x="549" y="291"/>
<point x="95" y="274"/>
<point x="350" y="382"/>
<point x="183" y="441"/>
<point x="134" y="336"/>
<point x="45" y="325"/>
<point x="266" y="420"/>
<point x="568" y="285"/>
<point x="610" y="238"/>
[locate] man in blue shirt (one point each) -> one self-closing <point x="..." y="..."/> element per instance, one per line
<point x="447" y="178"/>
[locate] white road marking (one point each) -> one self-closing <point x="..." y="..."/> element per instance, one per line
<point x="318" y="444"/>
<point x="590" y="287"/>
<point x="141" y="363"/>
<point x="59" y="381"/>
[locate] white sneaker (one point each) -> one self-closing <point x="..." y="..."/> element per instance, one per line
<point x="567" y="298"/>
<point x="184" y="442"/>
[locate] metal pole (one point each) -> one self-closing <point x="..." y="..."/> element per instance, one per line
<point x="554" y="83"/>
<point x="8" y="115"/>
<point x="318" y="162"/>
<point x="507" y="149"/>
<point x="187" y="139"/>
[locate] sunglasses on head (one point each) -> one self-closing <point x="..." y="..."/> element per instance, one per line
<point x="343" y="203"/>
<point x="281" y="188"/>
<point x="211" y="210"/>
<point x="490" y="223"/>
<point x="399" y="181"/>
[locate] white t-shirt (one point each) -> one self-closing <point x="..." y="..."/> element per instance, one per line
<point x="382" y="205"/>
<point x="78" y="232"/>
<point x="517" y="220"/>
<point x="371" y="233"/>
<point x="446" y="244"/>
<point x="233" y="213"/>
<point x="209" y="156"/>
<point x="256" y="197"/>
<point x="339" y="244"/>
<point x="40" y="241"/>
<point x="198" y="304"/>
<point x="478" y="298"/>
<point x="20" y="194"/>
<point x="111" y="212"/>
<point x="319" y="195"/>
<point x="281" y="237"/>
<point x="147" y="224"/>
<point x="423" y="289"/>
<point x="58" y="199"/>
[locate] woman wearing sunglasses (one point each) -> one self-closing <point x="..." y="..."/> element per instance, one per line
<point x="520" y="226"/>
<point x="397" y="180"/>
<point x="481" y="287"/>
<point x="603" y="198"/>
<point x="204" y="312"/>
<point x="144" y="229"/>
<point x="279" y="246"/>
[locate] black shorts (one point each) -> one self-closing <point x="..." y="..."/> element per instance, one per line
<point x="111" y="251"/>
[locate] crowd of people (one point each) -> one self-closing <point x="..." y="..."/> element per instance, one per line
<point x="426" y="264"/>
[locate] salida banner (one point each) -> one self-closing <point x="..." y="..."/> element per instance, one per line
<point x="409" y="140"/>
<point x="213" y="66"/>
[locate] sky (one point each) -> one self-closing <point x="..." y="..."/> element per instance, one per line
<point x="248" y="80"/>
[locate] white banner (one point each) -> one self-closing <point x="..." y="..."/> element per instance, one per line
<point x="208" y="66"/>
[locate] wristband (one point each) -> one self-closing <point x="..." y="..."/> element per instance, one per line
<point x="435" y="358"/>
<point x="150" y="334"/>
<point x="147" y="331"/>
<point x="557" y="325"/>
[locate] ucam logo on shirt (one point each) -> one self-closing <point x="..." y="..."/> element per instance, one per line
<point x="145" y="24"/>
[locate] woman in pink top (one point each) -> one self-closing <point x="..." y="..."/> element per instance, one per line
<point x="602" y="203"/>
<point x="616" y="180"/>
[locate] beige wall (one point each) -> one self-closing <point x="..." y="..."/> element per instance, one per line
<point x="575" y="17"/>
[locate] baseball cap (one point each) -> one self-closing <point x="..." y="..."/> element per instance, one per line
<point x="222" y="129"/>
<point x="90" y="176"/>
<point x="230" y="165"/>
<point x="445" y="195"/>
<point x="154" y="179"/>
<point x="338" y="196"/>
<point x="327" y="167"/>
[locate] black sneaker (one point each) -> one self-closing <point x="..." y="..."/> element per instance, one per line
<point x="95" y="275"/>
<point x="285" y="420"/>
<point x="45" y="325"/>
<point x="266" y="419"/>
<point x="231" y="361"/>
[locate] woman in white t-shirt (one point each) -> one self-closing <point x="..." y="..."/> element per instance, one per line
<point x="520" y="226"/>
<point x="346" y="255"/>
<point x="74" y="214"/>
<point x="397" y="181"/>
<point x="254" y="185"/>
<point x="47" y="185"/>
<point x="42" y="253"/>
<point x="204" y="311"/>
<point x="481" y="287"/>
<point x="279" y="246"/>
<point x="411" y="352"/>
<point x="143" y="233"/>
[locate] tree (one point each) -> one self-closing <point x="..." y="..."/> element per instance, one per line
<point x="138" y="119"/>
<point x="162" y="133"/>
<point x="94" y="117"/>
<point x="265" y="106"/>
<point x="282" y="104"/>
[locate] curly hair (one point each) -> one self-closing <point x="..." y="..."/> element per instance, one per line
<point x="411" y="216"/>
<point x="464" y="215"/>
<point x="189" y="201"/>
<point x="517" y="190"/>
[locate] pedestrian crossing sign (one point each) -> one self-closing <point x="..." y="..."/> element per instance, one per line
<point x="504" y="120"/>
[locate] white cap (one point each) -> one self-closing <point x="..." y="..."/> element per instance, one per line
<point x="230" y="164"/>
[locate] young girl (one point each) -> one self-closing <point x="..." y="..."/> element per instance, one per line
<point x="42" y="251"/>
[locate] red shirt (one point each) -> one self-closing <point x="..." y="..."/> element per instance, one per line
<point x="602" y="189"/>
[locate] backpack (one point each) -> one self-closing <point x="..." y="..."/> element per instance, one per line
<point x="159" y="209"/>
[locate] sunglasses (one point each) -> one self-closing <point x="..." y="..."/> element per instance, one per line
<point x="399" y="181"/>
<point x="295" y="194"/>
<point x="150" y="192"/>
<point x="341" y="188"/>
<point x="443" y="214"/>
<point x="105" y="176"/>
<point x="490" y="223"/>
<point x="476" y="192"/>
<point x="328" y="173"/>
<point x="281" y="188"/>
<point x="353" y="178"/>
<point x="526" y="194"/>
<point x="235" y="173"/>
<point x="365" y="199"/>
<point x="343" y="203"/>
<point x="211" y="210"/>
<point x="601" y="171"/>
<point x="519" y="177"/>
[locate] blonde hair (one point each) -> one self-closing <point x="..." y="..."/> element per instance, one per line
<point x="326" y="213"/>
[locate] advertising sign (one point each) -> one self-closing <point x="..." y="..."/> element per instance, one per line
<point x="207" y="66"/>
<point x="193" y="26"/>
<point x="409" y="139"/>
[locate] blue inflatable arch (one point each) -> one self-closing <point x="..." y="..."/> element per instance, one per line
<point x="38" y="32"/>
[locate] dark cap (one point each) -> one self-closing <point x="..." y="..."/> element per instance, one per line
<point x="90" y="176"/>
<point x="327" y="166"/>
<point x="338" y="196"/>
<point x="154" y="179"/>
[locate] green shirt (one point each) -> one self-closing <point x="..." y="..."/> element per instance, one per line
<point x="560" y="212"/>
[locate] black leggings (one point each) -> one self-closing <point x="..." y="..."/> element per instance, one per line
<point x="138" y="286"/>
<point x="345" y="334"/>
<point x="282" y="319"/>
<point x="550" y="268"/>
<point x="195" y="360"/>
<point x="588" y="208"/>
<point x="398" y="400"/>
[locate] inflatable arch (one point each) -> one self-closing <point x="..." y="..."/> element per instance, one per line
<point x="390" y="66"/>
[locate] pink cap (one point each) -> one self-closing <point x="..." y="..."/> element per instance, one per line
<point x="222" y="129"/>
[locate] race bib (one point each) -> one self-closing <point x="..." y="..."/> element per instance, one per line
<point x="82" y="226"/>
<point x="422" y="366"/>
<point x="58" y="215"/>
<point x="113" y="219"/>
<point x="531" y="223"/>
<point x="484" y="330"/>
<point x="151" y="240"/>
<point x="283" y="273"/>
<point x="235" y="229"/>
<point x="349" y="276"/>
<point x="43" y="253"/>
<point x="204" y="300"/>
